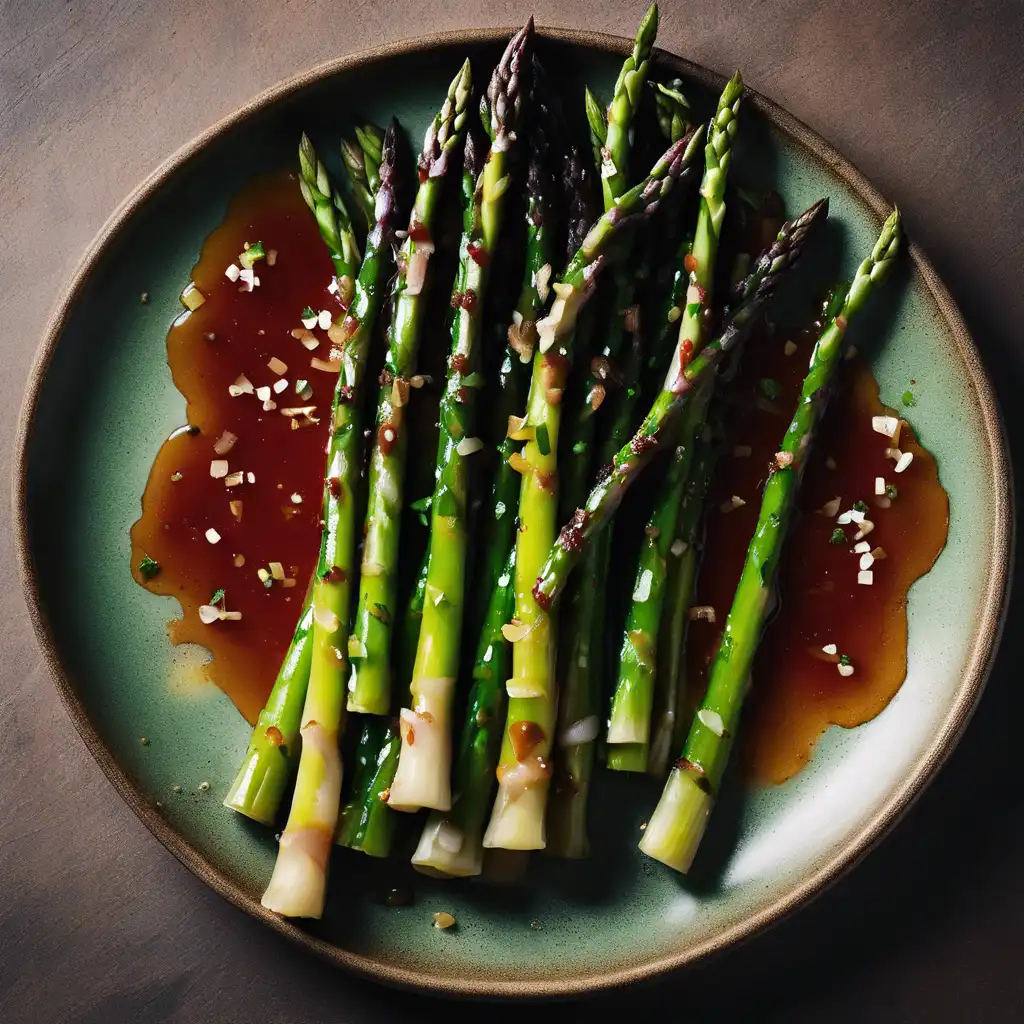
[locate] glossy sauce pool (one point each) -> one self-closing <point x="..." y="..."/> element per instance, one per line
<point x="797" y="689"/>
<point x="234" y="333"/>
<point x="796" y="694"/>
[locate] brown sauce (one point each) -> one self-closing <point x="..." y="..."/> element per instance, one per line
<point x="182" y="500"/>
<point x="796" y="694"/>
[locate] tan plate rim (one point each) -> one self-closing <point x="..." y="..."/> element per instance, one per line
<point x="987" y="631"/>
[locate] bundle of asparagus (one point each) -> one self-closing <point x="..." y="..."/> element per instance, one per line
<point x="568" y="430"/>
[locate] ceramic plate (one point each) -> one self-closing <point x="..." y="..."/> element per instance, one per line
<point x="101" y="401"/>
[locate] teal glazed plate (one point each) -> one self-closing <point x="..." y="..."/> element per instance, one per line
<point x="101" y="401"/>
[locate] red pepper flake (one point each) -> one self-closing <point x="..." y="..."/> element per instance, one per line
<point x="350" y="325"/>
<point x="571" y="536"/>
<point x="346" y="393"/>
<point x="274" y="736"/>
<point x="478" y="254"/>
<point x="469" y="300"/>
<point x="543" y="600"/>
<point x="419" y="232"/>
<point x="456" y="299"/>
<point x="424" y="173"/>
<point x="334" y="486"/>
<point x="460" y="363"/>
<point x="643" y="443"/>
<point x="554" y="370"/>
<point x="690" y="263"/>
<point x="335" y="575"/>
<point x="525" y="737"/>
<point x="841" y="322"/>
<point x="386" y="378"/>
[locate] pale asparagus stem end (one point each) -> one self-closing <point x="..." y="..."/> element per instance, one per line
<point x="517" y="821"/>
<point x="424" y="764"/>
<point x="445" y="851"/>
<point x="299" y="883"/>
<point x="677" y="826"/>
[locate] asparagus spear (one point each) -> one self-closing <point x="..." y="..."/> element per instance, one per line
<point x="332" y="217"/>
<point x="298" y="885"/>
<point x="362" y="161"/>
<point x="581" y="662"/>
<point x="684" y="555"/>
<point x="678" y="823"/>
<point x="370" y="643"/>
<point x="366" y="823"/>
<point x="273" y="747"/>
<point x="517" y="820"/>
<point x="451" y="843"/>
<point x="684" y="373"/>
<point x="628" y="92"/>
<point x="424" y="766"/>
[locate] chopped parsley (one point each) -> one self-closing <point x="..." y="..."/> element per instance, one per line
<point x="422" y="505"/>
<point x="579" y="447"/>
<point x="543" y="440"/>
<point x="838" y="536"/>
<point x="300" y="386"/>
<point x="860" y="506"/>
<point x="218" y="596"/>
<point x="254" y="252"/>
<point x="148" y="568"/>
<point x="308" y="313"/>
<point x="891" y="491"/>
<point x="908" y="399"/>
<point x="844" y="659"/>
<point x="770" y="388"/>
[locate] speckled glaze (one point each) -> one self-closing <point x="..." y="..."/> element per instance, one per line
<point x="101" y="401"/>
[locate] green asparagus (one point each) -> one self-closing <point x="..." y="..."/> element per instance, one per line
<point x="684" y="373"/>
<point x="298" y="885"/>
<point x="517" y="820"/>
<point x="679" y="821"/>
<point x="369" y="647"/>
<point x="424" y="766"/>
<point x="274" y="745"/>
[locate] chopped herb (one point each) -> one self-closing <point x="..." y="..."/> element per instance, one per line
<point x="860" y="506"/>
<point x="499" y="509"/>
<point x="774" y="520"/>
<point x="770" y="388"/>
<point x="148" y="568"/>
<point x="218" y="596"/>
<point x="423" y="505"/>
<point x="543" y="440"/>
<point x="891" y="491"/>
<point x="255" y="252"/>
<point x="844" y="659"/>
<point x="838" y="536"/>
<point x="301" y="385"/>
<point x="908" y="399"/>
<point x="308" y="313"/>
<point x="579" y="447"/>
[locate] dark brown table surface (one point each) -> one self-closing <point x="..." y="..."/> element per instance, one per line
<point x="98" y="923"/>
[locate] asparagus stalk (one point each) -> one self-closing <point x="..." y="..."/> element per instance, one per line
<point x="424" y="766"/>
<point x="581" y="663"/>
<point x="629" y="722"/>
<point x="370" y="643"/>
<point x="451" y="843"/>
<point x="684" y="373"/>
<point x="678" y="823"/>
<point x="362" y="161"/>
<point x="366" y="823"/>
<point x="273" y="747"/>
<point x="629" y="88"/>
<point x="332" y="217"/>
<point x="517" y="820"/>
<point x="684" y="556"/>
<point x="299" y="883"/>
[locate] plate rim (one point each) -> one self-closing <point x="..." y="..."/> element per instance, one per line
<point x="984" y="643"/>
